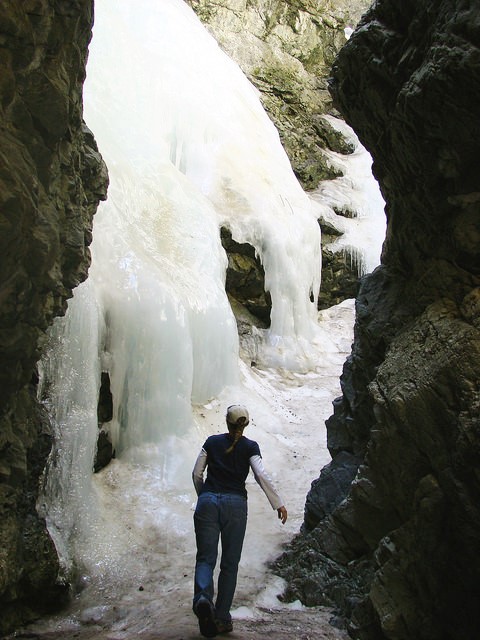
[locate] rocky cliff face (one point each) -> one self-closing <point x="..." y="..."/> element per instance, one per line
<point x="51" y="179"/>
<point x="397" y="549"/>
<point x="286" y="49"/>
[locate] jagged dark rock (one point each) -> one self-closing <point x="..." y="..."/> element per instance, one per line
<point x="330" y="488"/>
<point x="105" y="451"/>
<point x="105" y="400"/>
<point x="340" y="270"/>
<point x="51" y="179"/>
<point x="245" y="280"/>
<point x="406" y="534"/>
<point x="340" y="279"/>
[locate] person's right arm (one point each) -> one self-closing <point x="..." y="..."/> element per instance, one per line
<point x="199" y="470"/>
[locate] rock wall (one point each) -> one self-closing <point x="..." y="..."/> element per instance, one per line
<point x="245" y="279"/>
<point x="286" y="49"/>
<point x="51" y="179"/>
<point x="397" y="550"/>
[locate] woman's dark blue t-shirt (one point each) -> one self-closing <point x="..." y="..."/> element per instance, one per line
<point x="227" y="472"/>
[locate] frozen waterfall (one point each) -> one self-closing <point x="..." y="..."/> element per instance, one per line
<point x="189" y="149"/>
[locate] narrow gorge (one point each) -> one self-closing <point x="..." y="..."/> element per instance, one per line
<point x="391" y="531"/>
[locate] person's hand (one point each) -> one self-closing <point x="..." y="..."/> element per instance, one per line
<point x="282" y="514"/>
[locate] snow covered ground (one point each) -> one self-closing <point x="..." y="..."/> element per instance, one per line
<point x="138" y="560"/>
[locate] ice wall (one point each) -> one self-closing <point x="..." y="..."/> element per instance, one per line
<point x="356" y="192"/>
<point x="189" y="149"/>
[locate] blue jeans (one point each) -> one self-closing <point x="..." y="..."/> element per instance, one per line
<point x="225" y="515"/>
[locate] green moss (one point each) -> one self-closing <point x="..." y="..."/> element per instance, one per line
<point x="293" y="97"/>
<point x="282" y="81"/>
<point x="204" y="9"/>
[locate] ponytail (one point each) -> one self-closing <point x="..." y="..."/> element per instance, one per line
<point x="237" y="430"/>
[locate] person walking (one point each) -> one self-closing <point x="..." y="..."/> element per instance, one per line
<point x="221" y="513"/>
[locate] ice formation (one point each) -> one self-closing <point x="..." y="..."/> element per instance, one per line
<point x="189" y="149"/>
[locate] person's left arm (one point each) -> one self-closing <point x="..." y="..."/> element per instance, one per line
<point x="199" y="470"/>
<point x="265" y="482"/>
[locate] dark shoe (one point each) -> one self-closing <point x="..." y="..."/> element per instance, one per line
<point x="206" y="618"/>
<point x="224" y="627"/>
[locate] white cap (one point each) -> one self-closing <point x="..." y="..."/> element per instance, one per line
<point x="237" y="415"/>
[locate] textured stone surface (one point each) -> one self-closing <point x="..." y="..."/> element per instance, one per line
<point x="286" y="48"/>
<point x="327" y="491"/>
<point x="404" y="538"/>
<point x="51" y="178"/>
<point x="340" y="279"/>
<point x="245" y="279"/>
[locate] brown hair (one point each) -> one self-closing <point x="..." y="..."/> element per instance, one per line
<point x="237" y="430"/>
